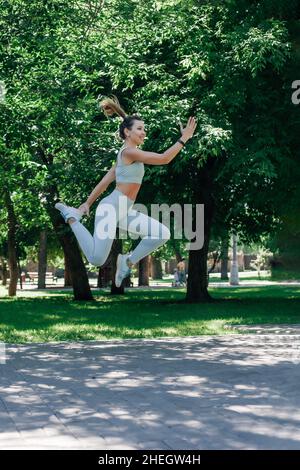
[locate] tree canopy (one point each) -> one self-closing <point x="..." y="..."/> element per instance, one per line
<point x="229" y="63"/>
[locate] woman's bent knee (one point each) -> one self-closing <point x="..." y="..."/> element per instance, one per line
<point x="97" y="260"/>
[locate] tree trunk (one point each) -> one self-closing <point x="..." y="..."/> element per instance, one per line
<point x="144" y="271"/>
<point x="42" y="260"/>
<point x="234" y="271"/>
<point x="224" y="259"/>
<point x="67" y="274"/>
<point x="197" y="283"/>
<point x="105" y="273"/>
<point x="80" y="282"/>
<point x="175" y="246"/>
<point x="4" y="272"/>
<point x="104" y="276"/>
<point x="100" y="277"/>
<point x="20" y="274"/>
<point x="156" y="268"/>
<point x="216" y="257"/>
<point x="11" y="242"/>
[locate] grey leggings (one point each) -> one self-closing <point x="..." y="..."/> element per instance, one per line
<point x="116" y="210"/>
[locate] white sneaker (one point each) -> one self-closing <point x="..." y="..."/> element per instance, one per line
<point x="122" y="270"/>
<point x="67" y="212"/>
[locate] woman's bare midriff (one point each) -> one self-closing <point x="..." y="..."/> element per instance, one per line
<point x="129" y="189"/>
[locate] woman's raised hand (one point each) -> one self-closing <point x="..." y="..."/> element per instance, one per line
<point x="84" y="208"/>
<point x="188" y="131"/>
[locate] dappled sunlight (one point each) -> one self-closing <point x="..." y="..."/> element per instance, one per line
<point x="221" y="392"/>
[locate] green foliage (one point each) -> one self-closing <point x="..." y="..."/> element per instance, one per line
<point x="228" y="63"/>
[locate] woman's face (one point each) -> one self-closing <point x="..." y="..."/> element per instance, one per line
<point x="137" y="133"/>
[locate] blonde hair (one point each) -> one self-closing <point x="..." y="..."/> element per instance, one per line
<point x="111" y="106"/>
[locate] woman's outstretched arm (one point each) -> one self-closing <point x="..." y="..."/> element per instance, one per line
<point x="99" y="189"/>
<point x="153" y="158"/>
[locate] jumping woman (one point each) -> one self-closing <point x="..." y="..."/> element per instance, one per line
<point x="128" y="173"/>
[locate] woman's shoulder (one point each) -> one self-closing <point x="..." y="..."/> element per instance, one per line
<point x="131" y="154"/>
<point x="132" y="151"/>
<point x="124" y="155"/>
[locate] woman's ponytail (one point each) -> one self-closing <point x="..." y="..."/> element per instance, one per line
<point x="111" y="106"/>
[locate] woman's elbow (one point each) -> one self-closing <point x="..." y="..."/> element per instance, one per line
<point x="165" y="159"/>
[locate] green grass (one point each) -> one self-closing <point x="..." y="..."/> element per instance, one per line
<point x="280" y="274"/>
<point x="243" y="276"/>
<point x="54" y="316"/>
<point x="246" y="278"/>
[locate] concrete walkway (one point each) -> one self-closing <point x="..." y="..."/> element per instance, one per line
<point x="221" y="392"/>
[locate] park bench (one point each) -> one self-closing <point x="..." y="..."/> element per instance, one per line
<point x="50" y="277"/>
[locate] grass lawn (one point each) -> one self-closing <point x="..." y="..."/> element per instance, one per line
<point x="54" y="316"/>
<point x="216" y="277"/>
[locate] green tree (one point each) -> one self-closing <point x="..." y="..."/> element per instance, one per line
<point x="225" y="63"/>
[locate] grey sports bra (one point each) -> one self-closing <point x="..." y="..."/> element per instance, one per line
<point x="128" y="173"/>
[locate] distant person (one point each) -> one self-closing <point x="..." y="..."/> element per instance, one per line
<point x="175" y="283"/>
<point x="181" y="272"/>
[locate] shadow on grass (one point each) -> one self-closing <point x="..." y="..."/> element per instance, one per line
<point x="143" y="313"/>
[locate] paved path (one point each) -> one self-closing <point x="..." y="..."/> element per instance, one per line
<point x="221" y="392"/>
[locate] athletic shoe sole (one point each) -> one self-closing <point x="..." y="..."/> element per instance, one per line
<point x="69" y="212"/>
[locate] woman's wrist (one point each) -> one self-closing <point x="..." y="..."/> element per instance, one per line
<point x="182" y="140"/>
<point x="185" y="138"/>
